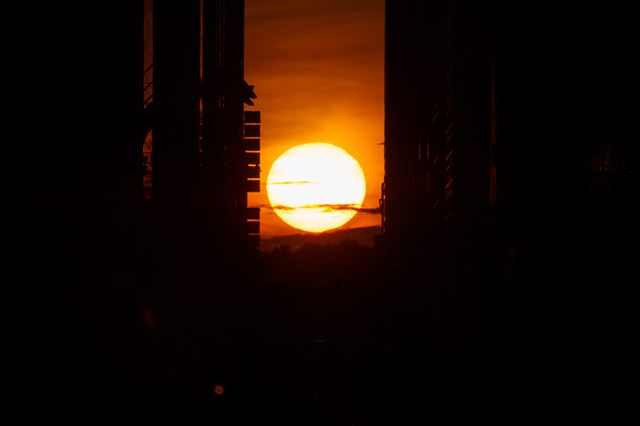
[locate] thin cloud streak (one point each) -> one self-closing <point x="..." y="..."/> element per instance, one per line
<point x="326" y="208"/>
<point x="294" y="182"/>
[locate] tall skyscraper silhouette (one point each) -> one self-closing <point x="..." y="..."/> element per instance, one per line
<point x="498" y="130"/>
<point x="200" y="160"/>
<point x="439" y="147"/>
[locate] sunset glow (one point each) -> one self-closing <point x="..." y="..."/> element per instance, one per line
<point x="318" y="68"/>
<point x="316" y="187"/>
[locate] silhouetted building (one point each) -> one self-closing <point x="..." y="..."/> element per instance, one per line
<point x="564" y="93"/>
<point x="201" y="163"/>
<point x="438" y="139"/>
<point x="502" y="131"/>
<point x="510" y="199"/>
<point x="176" y="100"/>
<point x="230" y="144"/>
<point x="122" y="101"/>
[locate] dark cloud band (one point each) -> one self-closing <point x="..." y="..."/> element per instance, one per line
<point x="327" y="208"/>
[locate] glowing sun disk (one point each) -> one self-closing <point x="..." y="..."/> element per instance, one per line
<point x="316" y="187"/>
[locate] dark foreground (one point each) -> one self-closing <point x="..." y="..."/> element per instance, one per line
<point x="325" y="335"/>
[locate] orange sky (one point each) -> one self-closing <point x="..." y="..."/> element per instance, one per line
<point x="318" y="68"/>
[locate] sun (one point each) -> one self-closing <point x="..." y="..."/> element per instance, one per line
<point x="316" y="187"/>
